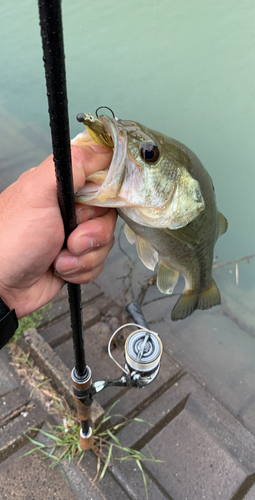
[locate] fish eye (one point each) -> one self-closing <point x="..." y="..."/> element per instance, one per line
<point x="149" y="152"/>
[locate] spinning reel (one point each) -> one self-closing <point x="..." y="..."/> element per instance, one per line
<point x="142" y="353"/>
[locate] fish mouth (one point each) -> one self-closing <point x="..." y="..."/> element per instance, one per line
<point x="102" y="188"/>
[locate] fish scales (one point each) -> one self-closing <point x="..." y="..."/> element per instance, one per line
<point x="166" y="197"/>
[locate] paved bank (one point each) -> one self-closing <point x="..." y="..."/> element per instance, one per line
<point x="205" y="452"/>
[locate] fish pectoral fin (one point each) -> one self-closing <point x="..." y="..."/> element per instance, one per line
<point x="185" y="235"/>
<point x="146" y="253"/>
<point x="130" y="235"/>
<point x="192" y="300"/>
<point x="223" y="224"/>
<point x="166" y="278"/>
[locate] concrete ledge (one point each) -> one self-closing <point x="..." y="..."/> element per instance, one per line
<point x="59" y="332"/>
<point x="14" y="435"/>
<point x="49" y="362"/>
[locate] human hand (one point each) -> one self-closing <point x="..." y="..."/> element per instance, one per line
<point x="32" y="234"/>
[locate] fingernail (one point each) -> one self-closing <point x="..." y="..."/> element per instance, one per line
<point x="83" y="245"/>
<point x="66" y="264"/>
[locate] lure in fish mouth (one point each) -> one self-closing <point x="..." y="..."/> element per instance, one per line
<point x="166" y="197"/>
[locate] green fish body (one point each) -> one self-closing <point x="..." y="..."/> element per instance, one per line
<point x="167" y="199"/>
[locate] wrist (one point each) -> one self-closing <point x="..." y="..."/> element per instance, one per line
<point x="4" y="309"/>
<point x="6" y="296"/>
<point x="11" y="297"/>
<point x="13" y="300"/>
<point x="8" y="323"/>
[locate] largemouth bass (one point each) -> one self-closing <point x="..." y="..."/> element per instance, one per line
<point x="167" y="199"/>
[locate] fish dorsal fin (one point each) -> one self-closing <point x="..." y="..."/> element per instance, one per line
<point x="223" y="224"/>
<point x="130" y="235"/>
<point x="166" y="278"/>
<point x="184" y="234"/>
<point x="146" y="253"/>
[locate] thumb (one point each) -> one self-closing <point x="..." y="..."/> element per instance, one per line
<point x="86" y="160"/>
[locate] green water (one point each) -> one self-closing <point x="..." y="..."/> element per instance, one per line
<point x="186" y="68"/>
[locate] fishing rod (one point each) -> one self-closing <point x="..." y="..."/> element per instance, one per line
<point x="143" y="348"/>
<point x="55" y="74"/>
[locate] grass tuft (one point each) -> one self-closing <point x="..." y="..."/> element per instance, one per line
<point x="62" y="443"/>
<point x="32" y="320"/>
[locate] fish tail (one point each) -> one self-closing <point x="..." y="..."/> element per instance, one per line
<point x="191" y="300"/>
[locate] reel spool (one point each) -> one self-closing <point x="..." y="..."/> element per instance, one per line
<point x="143" y="351"/>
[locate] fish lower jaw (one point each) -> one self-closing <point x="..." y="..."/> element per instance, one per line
<point x="135" y="212"/>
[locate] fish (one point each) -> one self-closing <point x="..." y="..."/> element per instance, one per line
<point x="167" y="199"/>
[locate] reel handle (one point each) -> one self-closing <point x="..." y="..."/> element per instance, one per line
<point x="136" y="313"/>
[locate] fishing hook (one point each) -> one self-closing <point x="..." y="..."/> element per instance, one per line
<point x="106" y="107"/>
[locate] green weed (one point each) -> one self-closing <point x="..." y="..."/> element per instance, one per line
<point x="63" y="443"/>
<point x="32" y="320"/>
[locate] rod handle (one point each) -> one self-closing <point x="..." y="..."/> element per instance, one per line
<point x="86" y="440"/>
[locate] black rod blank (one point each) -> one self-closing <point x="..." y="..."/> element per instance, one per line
<point x="54" y="63"/>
